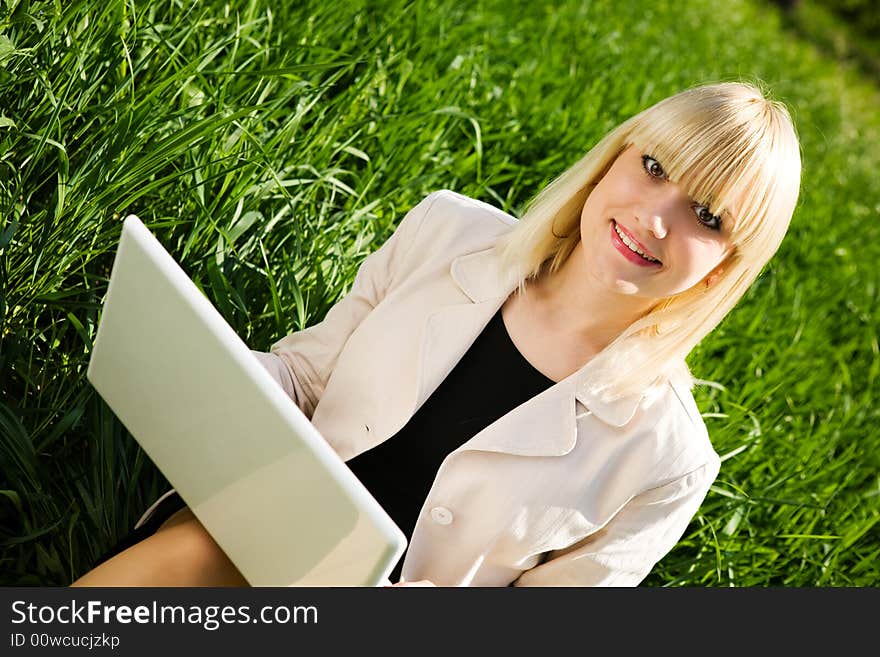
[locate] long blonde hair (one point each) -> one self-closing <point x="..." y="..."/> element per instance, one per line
<point x="720" y="142"/>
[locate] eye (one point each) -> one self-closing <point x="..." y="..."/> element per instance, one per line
<point x="653" y="168"/>
<point x="706" y="218"/>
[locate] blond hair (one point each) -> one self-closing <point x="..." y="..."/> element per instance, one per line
<point x="720" y="142"/>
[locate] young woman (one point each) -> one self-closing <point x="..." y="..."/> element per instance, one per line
<point x="515" y="393"/>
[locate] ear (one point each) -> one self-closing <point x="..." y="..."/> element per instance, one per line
<point x="711" y="278"/>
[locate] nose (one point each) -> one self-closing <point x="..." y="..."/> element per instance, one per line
<point x="654" y="221"/>
<point x="657" y="210"/>
<point x="657" y="225"/>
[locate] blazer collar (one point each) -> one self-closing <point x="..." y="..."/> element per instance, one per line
<point x="481" y="278"/>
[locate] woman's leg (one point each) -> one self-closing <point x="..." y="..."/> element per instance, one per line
<point x="180" y="553"/>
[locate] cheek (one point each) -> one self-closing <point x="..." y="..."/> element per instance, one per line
<point x="591" y="215"/>
<point x="702" y="257"/>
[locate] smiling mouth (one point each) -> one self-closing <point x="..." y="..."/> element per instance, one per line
<point x="631" y="244"/>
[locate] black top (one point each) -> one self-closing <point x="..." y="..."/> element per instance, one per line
<point x="490" y="380"/>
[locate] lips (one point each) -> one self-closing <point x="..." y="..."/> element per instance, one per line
<point x="628" y="253"/>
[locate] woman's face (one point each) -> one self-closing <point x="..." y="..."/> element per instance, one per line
<point x="682" y="239"/>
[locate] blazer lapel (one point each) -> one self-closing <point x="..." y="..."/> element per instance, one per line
<point x="451" y="329"/>
<point x="545" y="425"/>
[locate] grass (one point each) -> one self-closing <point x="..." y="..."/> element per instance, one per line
<point x="843" y="39"/>
<point x="272" y="146"/>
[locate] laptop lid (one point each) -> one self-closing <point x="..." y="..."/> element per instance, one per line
<point x="257" y="474"/>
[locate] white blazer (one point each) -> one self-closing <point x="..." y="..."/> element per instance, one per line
<point x="564" y="490"/>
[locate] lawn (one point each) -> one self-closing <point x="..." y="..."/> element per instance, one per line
<point x="271" y="146"/>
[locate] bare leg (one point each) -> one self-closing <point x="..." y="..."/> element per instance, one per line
<point x="180" y="553"/>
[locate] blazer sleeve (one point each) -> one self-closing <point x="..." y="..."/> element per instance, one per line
<point x="642" y="532"/>
<point x="307" y="357"/>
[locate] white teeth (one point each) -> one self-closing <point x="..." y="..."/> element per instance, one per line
<point x="632" y="246"/>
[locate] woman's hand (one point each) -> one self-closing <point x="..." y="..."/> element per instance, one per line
<point x="421" y="582"/>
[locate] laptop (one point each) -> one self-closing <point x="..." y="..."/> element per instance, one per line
<point x="257" y="474"/>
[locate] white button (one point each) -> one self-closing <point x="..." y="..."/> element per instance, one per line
<point x="441" y="515"/>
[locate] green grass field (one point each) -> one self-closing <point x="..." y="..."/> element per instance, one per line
<point x="272" y="146"/>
